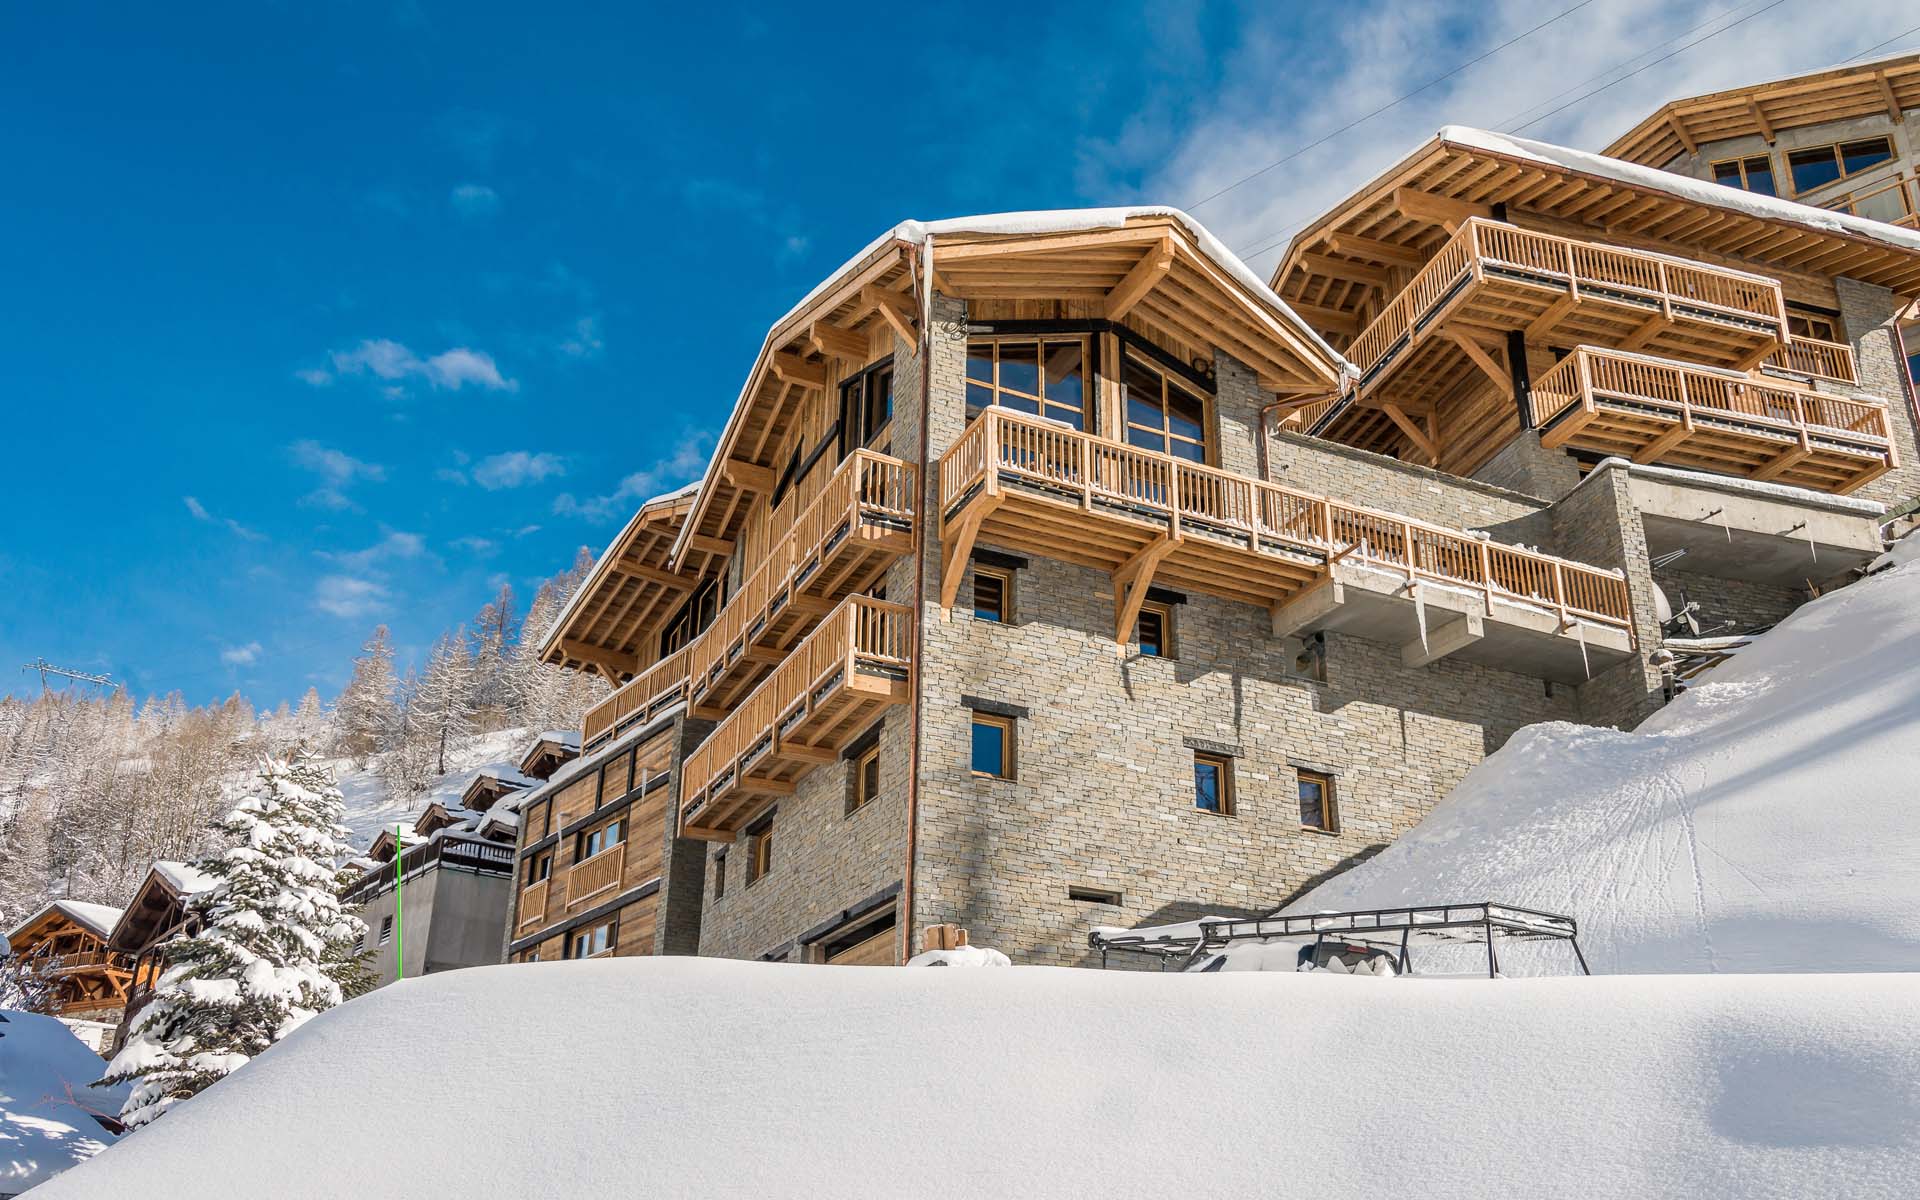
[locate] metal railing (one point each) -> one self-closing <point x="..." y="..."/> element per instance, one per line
<point x="491" y="858"/>
<point x="1002" y="446"/>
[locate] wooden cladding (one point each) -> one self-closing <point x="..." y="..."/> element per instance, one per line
<point x="1037" y="486"/>
<point x="821" y="696"/>
<point x="840" y="542"/>
<point x="1654" y="410"/>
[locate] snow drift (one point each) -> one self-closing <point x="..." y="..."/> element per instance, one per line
<point x="46" y="1104"/>
<point x="1767" y="820"/>
<point x="683" y="1077"/>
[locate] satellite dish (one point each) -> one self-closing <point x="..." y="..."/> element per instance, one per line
<point x="1662" y="607"/>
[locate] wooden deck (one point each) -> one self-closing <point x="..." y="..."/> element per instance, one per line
<point x="1027" y="484"/>
<point x="1656" y="411"/>
<point x="861" y="521"/>
<point x="825" y="693"/>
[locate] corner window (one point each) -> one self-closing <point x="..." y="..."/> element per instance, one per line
<point x="1213" y="783"/>
<point x="866" y="779"/>
<point x="1317" y="803"/>
<point x="992" y="594"/>
<point x="1154" y="631"/>
<point x="759" y="849"/>
<point x="993" y="745"/>
<point x="1044" y="377"/>
<point x="1163" y="415"/>
<point x="1748" y="174"/>
<point x="587" y="943"/>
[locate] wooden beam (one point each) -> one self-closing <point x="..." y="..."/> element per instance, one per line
<point x="956" y="546"/>
<point x="1681" y="431"/>
<point x="834" y="342"/>
<point x="710" y="544"/>
<point x="1544" y="323"/>
<point x="1330" y="318"/>
<point x="1442" y="210"/>
<point x="1886" y="93"/>
<point x="1414" y="433"/>
<point x="1366" y="247"/>
<point x="1760" y="119"/>
<point x="751" y="476"/>
<point x="1679" y="126"/>
<point x="1143" y="278"/>
<point x="895" y="309"/>
<point x="791" y="368"/>
<point x="612" y="661"/>
<point x="1502" y="378"/>
<point x="1786" y="460"/>
<point x="1341" y="268"/>
<point x="654" y="575"/>
<point x="1649" y="330"/>
<point x="1131" y="582"/>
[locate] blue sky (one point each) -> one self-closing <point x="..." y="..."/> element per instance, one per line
<point x="319" y="316"/>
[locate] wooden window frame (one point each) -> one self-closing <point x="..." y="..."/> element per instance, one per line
<point x="584" y="839"/>
<point x="854" y="411"/>
<point x="1813" y="323"/>
<point x="1839" y="162"/>
<point x="1088" y="410"/>
<point x="579" y="937"/>
<point x="1739" y="164"/>
<point x="1223" y="765"/>
<point x="1009" y="745"/>
<point x="1005" y="578"/>
<point x="539" y="867"/>
<point x="1169" y="645"/>
<point x="856" y="932"/>
<point x="1209" y="437"/>
<point x="860" y="795"/>
<point x="759" y="849"/>
<point x="1329" y="800"/>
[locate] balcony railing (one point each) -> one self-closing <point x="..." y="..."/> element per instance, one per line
<point x="1098" y="502"/>
<point x="1656" y="410"/>
<point x="592" y="876"/>
<point x="81" y="960"/>
<point x="858" y="661"/>
<point x="858" y="523"/>
<point x="533" y="906"/>
<point x="1811" y="356"/>
<point x="1654" y="284"/>
<point x="1895" y="201"/>
<point x="487" y="858"/>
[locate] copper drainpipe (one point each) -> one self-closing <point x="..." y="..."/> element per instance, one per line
<point x="924" y="277"/>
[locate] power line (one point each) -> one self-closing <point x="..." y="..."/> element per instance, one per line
<point x="1890" y="41"/>
<point x="1394" y="103"/>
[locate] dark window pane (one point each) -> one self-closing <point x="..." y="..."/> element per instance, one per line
<point x="1146" y="441"/>
<point x="1313" y="804"/>
<point x="1858" y="156"/>
<point x="1186" y="414"/>
<point x="989" y="598"/>
<point x="1152" y="634"/>
<point x="1206" y="786"/>
<point x="1064" y="384"/>
<point x="879" y="401"/>
<point x="1071" y="416"/>
<point x="989" y="748"/>
<point x="1727" y="173"/>
<point x="1813" y="168"/>
<point x="980" y="362"/>
<point x="870" y="779"/>
<point x="1760" y="176"/>
<point x="1019" y="403"/>
<point x="978" y="397"/>
<point x="1144" y="409"/>
<point x="1191" y="451"/>
<point x="1020" y="367"/>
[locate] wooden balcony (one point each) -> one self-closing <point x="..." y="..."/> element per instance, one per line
<point x="1142" y="517"/>
<point x="533" y="906"/>
<point x="601" y="873"/>
<point x="840" y="543"/>
<point x="1657" y="411"/>
<point x="1814" y="358"/>
<point x="823" y="694"/>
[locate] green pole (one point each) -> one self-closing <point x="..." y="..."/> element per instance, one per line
<point x="399" y="911"/>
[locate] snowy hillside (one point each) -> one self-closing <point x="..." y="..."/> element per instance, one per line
<point x="748" y="1079"/>
<point x="370" y="808"/>
<point x="1767" y="820"/>
<point x="46" y="1104"/>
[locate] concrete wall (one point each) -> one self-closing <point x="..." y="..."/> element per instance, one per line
<point x="452" y="918"/>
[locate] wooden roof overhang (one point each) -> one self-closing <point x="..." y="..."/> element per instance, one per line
<point x="1149" y="270"/>
<point x="51" y="922"/>
<point x="1885" y="87"/>
<point x="1341" y="270"/>
<point x="546" y="756"/>
<point x="630" y="589"/>
<point x="144" y="921"/>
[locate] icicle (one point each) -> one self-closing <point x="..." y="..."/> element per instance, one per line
<point x="1580" y="631"/>
<point x="1420" y="614"/>
<point x="1812" y="546"/>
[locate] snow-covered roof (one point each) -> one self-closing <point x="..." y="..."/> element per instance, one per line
<point x="184" y="879"/>
<point x="562" y="737"/>
<point x="1727" y="483"/>
<point x="100" y="918"/>
<point x="1693" y="191"/>
<point x="504" y="777"/>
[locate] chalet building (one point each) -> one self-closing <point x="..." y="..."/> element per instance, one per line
<point x="156" y="917"/>
<point x="436" y="897"/>
<point x="65" y="944"/>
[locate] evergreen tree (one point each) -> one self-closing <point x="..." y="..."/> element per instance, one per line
<point x="496" y="646"/>
<point x="275" y="946"/>
<point x="365" y="715"/>
<point x="310" y="720"/>
<point x="442" y="706"/>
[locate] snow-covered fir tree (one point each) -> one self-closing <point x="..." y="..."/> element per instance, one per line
<point x="366" y="714"/>
<point x="442" y="706"/>
<point x="275" y="947"/>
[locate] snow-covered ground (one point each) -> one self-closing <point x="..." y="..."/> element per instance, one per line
<point x="45" y="1101"/>
<point x="370" y="809"/>
<point x="683" y="1077"/>
<point x="1767" y="820"/>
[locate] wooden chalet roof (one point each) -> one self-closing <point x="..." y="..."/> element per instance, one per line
<point x="60" y="916"/>
<point x="549" y="752"/>
<point x="1153" y="267"/>
<point x="1678" y="127"/>
<point x="167" y="884"/>
<point x="1339" y="270"/>
<point x="630" y="588"/>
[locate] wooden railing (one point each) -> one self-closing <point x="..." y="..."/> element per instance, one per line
<point x="1702" y="391"/>
<point x="1895" y="201"/>
<point x="1811" y="356"/>
<point x="1305" y="417"/>
<point x="1009" y="447"/>
<point x="865" y="486"/>
<point x="533" y="905"/>
<point x="80" y="959"/>
<point x="861" y="634"/>
<point x="1655" y="278"/>
<point x="594" y="875"/>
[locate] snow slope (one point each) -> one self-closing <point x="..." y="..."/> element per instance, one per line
<point x="45" y="1101"/>
<point x="369" y="809"/>
<point x="1767" y="820"/>
<point x="716" y="1078"/>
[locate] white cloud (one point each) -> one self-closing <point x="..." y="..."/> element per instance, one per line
<point x="686" y="461"/>
<point x="474" y="200"/>
<point x="449" y="370"/>
<point x="349" y="596"/>
<point x="477" y="545"/>
<point x="516" y="468"/>
<point x="200" y="513"/>
<point x="395" y="545"/>
<point x="585" y="341"/>
<point x="451" y="475"/>
<point x="198" y="509"/>
<point x="337" y="470"/>
<point x="314" y="377"/>
<point x="241" y="656"/>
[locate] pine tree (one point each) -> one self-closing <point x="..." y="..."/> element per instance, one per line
<point x="310" y="720"/>
<point x="275" y="946"/>
<point x="496" y="648"/>
<point x="443" y="704"/>
<point x="365" y="716"/>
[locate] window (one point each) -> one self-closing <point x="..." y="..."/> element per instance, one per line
<point x="993" y="745"/>
<point x="720" y="875"/>
<point x="1316" y="802"/>
<point x="1213" y="783"/>
<point x="386" y="929"/>
<point x="1817" y="166"/>
<point x="1154" y="630"/>
<point x="866" y="406"/>
<point x="866" y="779"/>
<point x="1044" y="377"/>
<point x="586" y="943"/>
<point x="992" y="594"/>
<point x="1748" y="174"/>
<point x="1088" y="895"/>
<point x="1811" y="327"/>
<point x="532" y="956"/>
<point x="593" y="841"/>
<point x="539" y="867"/>
<point x="759" y="849"/>
<point x="1161" y="414"/>
<point x="868" y="943"/>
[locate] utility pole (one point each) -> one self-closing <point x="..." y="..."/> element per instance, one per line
<point x="46" y="668"/>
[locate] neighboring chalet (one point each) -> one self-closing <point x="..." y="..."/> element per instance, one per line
<point x="157" y="915"/>
<point x="65" y="944"/>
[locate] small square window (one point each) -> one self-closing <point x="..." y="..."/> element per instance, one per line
<point x="588" y="943"/>
<point x="1317" y="809"/>
<point x="759" y="849"/>
<point x="993" y="745"/>
<point x="866" y="779"/>
<point x="1213" y="783"/>
<point x="539" y="867"/>
<point x="1154" y="631"/>
<point x="720" y="875"/>
<point x="992" y="594"/>
<point x="386" y="929"/>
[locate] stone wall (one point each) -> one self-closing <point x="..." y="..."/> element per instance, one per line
<point x="1747" y="604"/>
<point x="1597" y="523"/>
<point x="1868" y="313"/>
